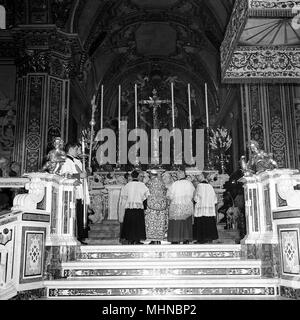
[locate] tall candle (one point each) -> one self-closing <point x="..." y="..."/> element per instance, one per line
<point x="101" y="119"/>
<point x="173" y="111"/>
<point x="119" y="117"/>
<point x="206" y="106"/>
<point x="190" y="107"/>
<point x="82" y="146"/>
<point x="135" y="105"/>
<point x="119" y="107"/>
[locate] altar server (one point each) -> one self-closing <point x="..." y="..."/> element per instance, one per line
<point x="134" y="195"/>
<point x="205" y="229"/>
<point x="73" y="168"/>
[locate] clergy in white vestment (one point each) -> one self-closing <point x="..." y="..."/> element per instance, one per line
<point x="181" y="210"/>
<point x="205" y="229"/>
<point x="73" y="168"/>
<point x="133" y="196"/>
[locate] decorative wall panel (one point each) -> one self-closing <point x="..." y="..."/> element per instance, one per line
<point x="289" y="251"/>
<point x="32" y="254"/>
<point x="54" y="110"/>
<point x="268" y="120"/>
<point x="34" y="124"/>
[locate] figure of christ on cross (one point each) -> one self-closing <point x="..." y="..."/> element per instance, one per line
<point x="155" y="102"/>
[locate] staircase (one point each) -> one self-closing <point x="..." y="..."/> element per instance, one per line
<point x="106" y="232"/>
<point x="161" y="271"/>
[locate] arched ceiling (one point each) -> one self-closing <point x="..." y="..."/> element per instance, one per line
<point x="128" y="39"/>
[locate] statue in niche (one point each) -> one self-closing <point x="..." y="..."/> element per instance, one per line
<point x="55" y="157"/>
<point x="259" y="160"/>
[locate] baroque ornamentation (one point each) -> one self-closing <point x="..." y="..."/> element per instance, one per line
<point x="233" y="31"/>
<point x="264" y="63"/>
<point x="29" y="201"/>
<point x="273" y="4"/>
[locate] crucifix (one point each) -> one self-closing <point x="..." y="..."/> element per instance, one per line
<point x="155" y="102"/>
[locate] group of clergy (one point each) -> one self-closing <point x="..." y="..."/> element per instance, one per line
<point x="158" y="209"/>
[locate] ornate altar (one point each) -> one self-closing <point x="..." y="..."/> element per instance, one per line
<point x="105" y="189"/>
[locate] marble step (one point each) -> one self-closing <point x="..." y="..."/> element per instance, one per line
<point x="97" y="234"/>
<point x="166" y="268"/>
<point x="106" y="227"/>
<point x="103" y="242"/>
<point x="164" y="251"/>
<point x="161" y="288"/>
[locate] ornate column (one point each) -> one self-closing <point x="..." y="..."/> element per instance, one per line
<point x="43" y="80"/>
<point x="268" y="117"/>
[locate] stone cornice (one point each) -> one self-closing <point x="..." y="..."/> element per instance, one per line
<point x="47" y="37"/>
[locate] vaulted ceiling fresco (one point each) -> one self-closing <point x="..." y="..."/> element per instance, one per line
<point x="153" y="43"/>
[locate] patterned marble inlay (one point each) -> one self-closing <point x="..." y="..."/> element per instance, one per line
<point x="289" y="292"/>
<point x="33" y="258"/>
<point x="161" y="272"/>
<point x="168" y="254"/>
<point x="290" y="251"/>
<point x="201" y="291"/>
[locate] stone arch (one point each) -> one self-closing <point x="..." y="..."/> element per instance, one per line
<point x="2" y="17"/>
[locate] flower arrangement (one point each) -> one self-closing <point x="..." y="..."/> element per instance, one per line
<point x="220" y="139"/>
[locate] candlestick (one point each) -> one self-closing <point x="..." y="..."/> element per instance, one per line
<point x="206" y="106"/>
<point x="83" y="146"/>
<point x="173" y="111"/>
<point x="119" y="116"/>
<point x="101" y="120"/>
<point x="119" y="107"/>
<point x="135" y="105"/>
<point x="190" y="107"/>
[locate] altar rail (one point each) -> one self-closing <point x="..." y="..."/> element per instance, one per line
<point x="273" y="226"/>
<point x="37" y="231"/>
<point x="38" y="234"/>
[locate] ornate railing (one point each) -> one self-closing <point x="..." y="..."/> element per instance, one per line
<point x="273" y="225"/>
<point x="39" y="229"/>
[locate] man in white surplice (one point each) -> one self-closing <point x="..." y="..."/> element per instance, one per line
<point x="181" y="210"/>
<point x="133" y="197"/>
<point x="73" y="168"/>
<point x="205" y="229"/>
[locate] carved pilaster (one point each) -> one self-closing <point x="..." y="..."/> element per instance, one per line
<point x="45" y="65"/>
<point x="267" y="111"/>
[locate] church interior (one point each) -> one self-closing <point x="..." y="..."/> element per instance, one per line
<point x="227" y="68"/>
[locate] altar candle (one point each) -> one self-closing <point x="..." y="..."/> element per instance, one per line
<point x="206" y="106"/>
<point x="82" y="146"/>
<point x="172" y="98"/>
<point x="135" y="105"/>
<point x="101" y="119"/>
<point x="190" y="107"/>
<point x="119" y="107"/>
